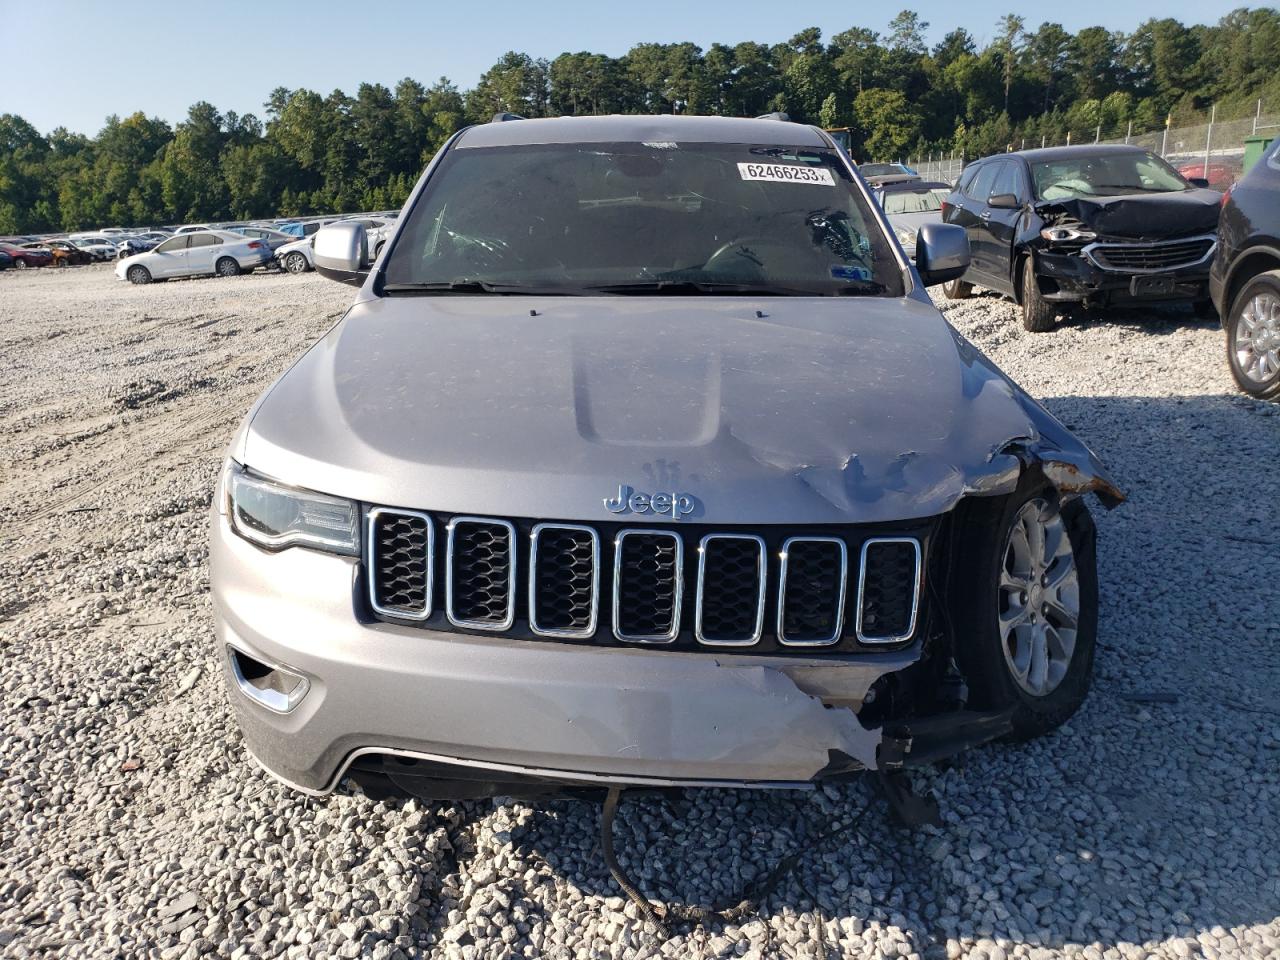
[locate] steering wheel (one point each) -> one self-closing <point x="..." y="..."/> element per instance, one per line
<point x="482" y="251"/>
<point x="740" y="255"/>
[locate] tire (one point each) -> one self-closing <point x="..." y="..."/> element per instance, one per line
<point x="377" y="251"/>
<point x="957" y="289"/>
<point x="227" y="267"/>
<point x="295" y="262"/>
<point x="19" y="264"/>
<point x="1006" y="619"/>
<point x="1253" y="337"/>
<point x="138" y="274"/>
<point x="1038" y="314"/>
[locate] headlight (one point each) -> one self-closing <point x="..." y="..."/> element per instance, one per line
<point x="1065" y="234"/>
<point x="906" y="237"/>
<point x="275" y="516"/>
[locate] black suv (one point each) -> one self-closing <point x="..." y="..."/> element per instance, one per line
<point x="1245" y="279"/>
<point x="1097" y="225"/>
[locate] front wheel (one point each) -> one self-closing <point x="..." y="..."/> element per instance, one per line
<point x="1030" y="606"/>
<point x="1038" y="314"/>
<point x="1253" y="337"/>
<point x="20" y="264"/>
<point x="227" y="267"/>
<point x="295" y="263"/>
<point x="138" y="274"/>
<point x="957" y="289"/>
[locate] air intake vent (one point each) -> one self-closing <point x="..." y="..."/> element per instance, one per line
<point x="481" y="578"/>
<point x="731" y="585"/>
<point x="400" y="545"/>
<point x="564" y="580"/>
<point x="888" y="590"/>
<point x="812" y="590"/>
<point x="647" y="586"/>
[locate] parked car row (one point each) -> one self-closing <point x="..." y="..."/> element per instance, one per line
<point x="1106" y="225"/>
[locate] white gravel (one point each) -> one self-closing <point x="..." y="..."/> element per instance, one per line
<point x="132" y="824"/>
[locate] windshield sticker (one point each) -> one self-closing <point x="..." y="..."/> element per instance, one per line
<point x="846" y="272"/>
<point x="785" y="173"/>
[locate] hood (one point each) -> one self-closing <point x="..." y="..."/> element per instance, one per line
<point x="1143" y="216"/>
<point x="778" y="410"/>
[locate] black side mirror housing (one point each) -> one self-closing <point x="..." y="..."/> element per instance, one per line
<point x="1200" y="182"/>
<point x="1004" y="201"/>
<point x="942" y="253"/>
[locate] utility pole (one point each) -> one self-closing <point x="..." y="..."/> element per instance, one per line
<point x="1208" y="140"/>
<point x="1128" y="133"/>
<point x="1257" y="115"/>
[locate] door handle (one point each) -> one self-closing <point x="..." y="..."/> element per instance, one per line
<point x="986" y="215"/>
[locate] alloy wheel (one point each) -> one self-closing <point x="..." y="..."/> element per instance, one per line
<point x="1039" y="597"/>
<point x="1257" y="340"/>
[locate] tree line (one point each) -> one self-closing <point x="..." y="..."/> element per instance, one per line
<point x="317" y="153"/>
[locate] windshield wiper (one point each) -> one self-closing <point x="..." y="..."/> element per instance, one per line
<point x="479" y="287"/>
<point x="716" y="288"/>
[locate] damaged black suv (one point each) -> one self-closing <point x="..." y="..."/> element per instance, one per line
<point x="1099" y="225"/>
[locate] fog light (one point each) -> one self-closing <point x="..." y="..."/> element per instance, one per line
<point x="269" y="685"/>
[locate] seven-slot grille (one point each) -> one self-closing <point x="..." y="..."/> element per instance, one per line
<point x="653" y="585"/>
<point x="1150" y="257"/>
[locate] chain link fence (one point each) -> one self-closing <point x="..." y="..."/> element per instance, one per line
<point x="1213" y="150"/>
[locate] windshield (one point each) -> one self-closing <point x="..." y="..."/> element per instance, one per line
<point x="914" y="201"/>
<point x="883" y="170"/>
<point x="1105" y="175"/>
<point x="632" y="217"/>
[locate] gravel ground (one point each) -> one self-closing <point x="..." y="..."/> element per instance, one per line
<point x="132" y="823"/>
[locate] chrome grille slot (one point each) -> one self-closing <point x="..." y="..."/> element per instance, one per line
<point x="480" y="578"/>
<point x="888" y="589"/>
<point x="811" y="591"/>
<point x="1151" y="257"/>
<point x="731" y="589"/>
<point x="400" y="545"/>
<point x="564" y="580"/>
<point x="648" y="586"/>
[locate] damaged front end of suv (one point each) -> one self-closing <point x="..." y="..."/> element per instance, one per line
<point x="643" y="459"/>
<point x="1096" y="225"/>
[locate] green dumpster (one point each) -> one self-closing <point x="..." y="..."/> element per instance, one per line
<point x="1254" y="148"/>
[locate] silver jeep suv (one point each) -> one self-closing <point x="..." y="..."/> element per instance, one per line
<point x="644" y="458"/>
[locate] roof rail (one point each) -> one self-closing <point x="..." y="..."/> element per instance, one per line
<point x="776" y="115"/>
<point x="504" y="117"/>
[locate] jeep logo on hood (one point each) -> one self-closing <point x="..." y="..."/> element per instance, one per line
<point x="673" y="505"/>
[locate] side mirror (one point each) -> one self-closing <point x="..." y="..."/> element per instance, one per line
<point x="341" y="253"/>
<point x="1200" y="182"/>
<point x="942" y="253"/>
<point x="1004" y="201"/>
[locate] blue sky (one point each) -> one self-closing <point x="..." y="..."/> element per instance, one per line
<point x="162" y="57"/>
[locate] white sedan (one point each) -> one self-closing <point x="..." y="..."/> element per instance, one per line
<point x="297" y="257"/>
<point x="219" y="252"/>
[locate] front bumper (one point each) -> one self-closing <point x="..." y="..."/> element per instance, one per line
<point x="1072" y="277"/>
<point x="574" y="714"/>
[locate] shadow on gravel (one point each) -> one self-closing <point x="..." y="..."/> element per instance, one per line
<point x="1152" y="816"/>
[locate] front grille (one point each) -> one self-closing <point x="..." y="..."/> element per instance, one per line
<point x="811" y="594"/>
<point x="887" y="609"/>
<point x="731" y="584"/>
<point x="400" y="544"/>
<point x="1150" y="257"/>
<point x="564" y="580"/>
<point x="481" y="575"/>
<point x="686" y="587"/>
<point x="647" y="586"/>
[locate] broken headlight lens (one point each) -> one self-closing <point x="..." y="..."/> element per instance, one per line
<point x="906" y="237"/>
<point x="274" y="516"/>
<point x="1067" y="234"/>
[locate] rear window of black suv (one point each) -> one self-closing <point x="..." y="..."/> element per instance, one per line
<point x="637" y="217"/>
